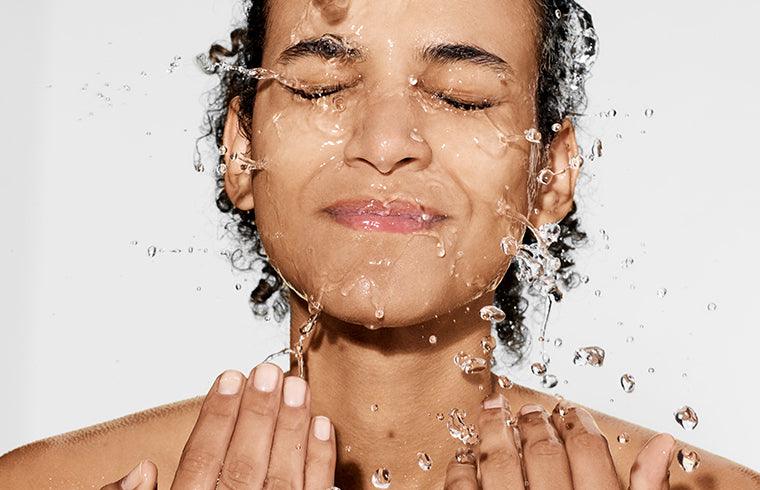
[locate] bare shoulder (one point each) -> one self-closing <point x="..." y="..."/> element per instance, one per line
<point x="103" y="453"/>
<point x="713" y="472"/>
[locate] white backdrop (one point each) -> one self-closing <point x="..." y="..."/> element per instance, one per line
<point x="98" y="145"/>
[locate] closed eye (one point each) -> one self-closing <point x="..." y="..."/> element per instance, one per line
<point x="461" y="104"/>
<point x="317" y="92"/>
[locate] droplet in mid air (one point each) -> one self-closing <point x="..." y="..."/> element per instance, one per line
<point x="538" y="368"/>
<point x="151" y="251"/>
<point x="492" y="314"/>
<point x="173" y="64"/>
<point x="589" y="356"/>
<point x="662" y="292"/>
<point x="628" y="382"/>
<point x="381" y="478"/>
<point x="624" y="438"/>
<point x="597" y="148"/>
<point x="688" y="459"/>
<point x="424" y="461"/>
<point x="711" y="307"/>
<point x="649" y="112"/>
<point x="549" y="381"/>
<point x="558" y="342"/>
<point x="687" y="417"/>
<point x="488" y="344"/>
<point x="556" y="127"/>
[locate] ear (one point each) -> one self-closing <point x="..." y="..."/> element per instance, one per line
<point x="555" y="199"/>
<point x="237" y="182"/>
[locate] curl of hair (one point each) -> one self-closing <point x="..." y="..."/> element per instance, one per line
<point x="567" y="47"/>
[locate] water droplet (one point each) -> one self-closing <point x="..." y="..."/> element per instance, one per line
<point x="597" y="293"/>
<point x="381" y="478"/>
<point x="629" y="339"/>
<point x="589" y="356"/>
<point x="624" y="438"/>
<point x="545" y="176"/>
<point x="459" y="429"/>
<point x="556" y="127"/>
<point x="549" y="381"/>
<point x="538" y="368"/>
<point x="465" y="455"/>
<point x="628" y="262"/>
<point x="662" y="292"/>
<point x="711" y="307"/>
<point x="439" y="416"/>
<point x="628" y="382"/>
<point x="298" y="447"/>
<point x="488" y="344"/>
<point x="151" y="251"/>
<point x="173" y="65"/>
<point x="558" y="342"/>
<point x="416" y="136"/>
<point x="133" y="242"/>
<point x="469" y="364"/>
<point x="687" y="417"/>
<point x="492" y="313"/>
<point x="597" y="148"/>
<point x="374" y="407"/>
<point x="558" y="13"/>
<point x="504" y="382"/>
<point x="238" y="286"/>
<point x="533" y="135"/>
<point x="348" y="448"/>
<point x="379" y="312"/>
<point x="221" y="169"/>
<point x="424" y="462"/>
<point x="413" y="81"/>
<point x="688" y="459"/>
<point x="432" y="339"/>
<point x="198" y="288"/>
<point x="649" y="112"/>
<point x="650" y="370"/>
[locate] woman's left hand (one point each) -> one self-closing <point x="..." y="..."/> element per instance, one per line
<point x="561" y="450"/>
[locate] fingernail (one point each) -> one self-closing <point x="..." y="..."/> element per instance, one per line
<point x="133" y="478"/>
<point x="495" y="401"/>
<point x="322" y="428"/>
<point x="526" y="409"/>
<point x="229" y="383"/>
<point x="294" y="392"/>
<point x="265" y="377"/>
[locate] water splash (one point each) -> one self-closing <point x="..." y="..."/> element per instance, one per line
<point x="459" y="429"/>
<point x="687" y="417"/>
<point x="589" y="356"/>
<point x="628" y="382"/>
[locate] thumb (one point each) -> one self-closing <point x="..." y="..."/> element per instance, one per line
<point x="144" y="476"/>
<point x="650" y="470"/>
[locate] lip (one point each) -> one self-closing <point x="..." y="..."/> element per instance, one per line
<point x="397" y="216"/>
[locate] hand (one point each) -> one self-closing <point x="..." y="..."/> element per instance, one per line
<point x="252" y="433"/>
<point x="558" y="452"/>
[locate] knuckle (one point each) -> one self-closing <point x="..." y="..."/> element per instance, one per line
<point x="587" y="441"/>
<point x="237" y="474"/>
<point x="545" y="447"/>
<point x="319" y="457"/>
<point x="277" y="483"/>
<point x="501" y="457"/>
<point x="459" y="482"/>
<point x="258" y="406"/>
<point x="293" y="422"/>
<point x="197" y="461"/>
<point x="491" y="420"/>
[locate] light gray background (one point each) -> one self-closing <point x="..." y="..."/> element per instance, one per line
<point x="93" y="328"/>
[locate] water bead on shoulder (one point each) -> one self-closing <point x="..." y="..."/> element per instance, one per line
<point x="381" y="478"/>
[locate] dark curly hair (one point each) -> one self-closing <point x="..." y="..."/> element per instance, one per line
<point x="567" y="49"/>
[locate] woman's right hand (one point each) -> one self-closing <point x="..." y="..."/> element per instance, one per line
<point x="253" y="432"/>
<point x="561" y="450"/>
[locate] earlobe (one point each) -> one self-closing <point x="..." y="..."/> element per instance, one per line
<point x="554" y="198"/>
<point x="237" y="178"/>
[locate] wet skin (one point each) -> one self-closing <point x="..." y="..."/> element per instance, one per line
<point x="314" y="168"/>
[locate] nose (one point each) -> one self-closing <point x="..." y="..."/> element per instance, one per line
<point x="386" y="138"/>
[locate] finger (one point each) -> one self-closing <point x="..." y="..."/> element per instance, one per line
<point x="245" y="464"/>
<point x="544" y="457"/>
<point x="500" y="465"/>
<point x="650" y="470"/>
<point x="287" y="460"/>
<point x="142" y="477"/>
<point x="587" y="449"/>
<point x="461" y="473"/>
<point x="320" y="455"/>
<point x="204" y="451"/>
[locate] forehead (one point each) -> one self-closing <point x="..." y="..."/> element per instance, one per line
<point x="507" y="28"/>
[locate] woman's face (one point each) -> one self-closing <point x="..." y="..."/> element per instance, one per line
<point x="393" y="161"/>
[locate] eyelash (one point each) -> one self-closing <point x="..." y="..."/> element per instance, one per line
<point x="330" y="90"/>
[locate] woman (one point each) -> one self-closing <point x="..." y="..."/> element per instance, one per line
<point x="395" y="156"/>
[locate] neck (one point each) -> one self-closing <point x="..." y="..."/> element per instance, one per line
<point x="383" y="390"/>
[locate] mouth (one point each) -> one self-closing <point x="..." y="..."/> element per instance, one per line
<point x="397" y="216"/>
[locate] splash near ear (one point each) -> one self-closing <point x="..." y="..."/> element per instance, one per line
<point x="333" y="11"/>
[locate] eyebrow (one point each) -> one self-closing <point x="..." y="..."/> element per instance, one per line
<point x="452" y="53"/>
<point x="328" y="47"/>
<point x="335" y="47"/>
